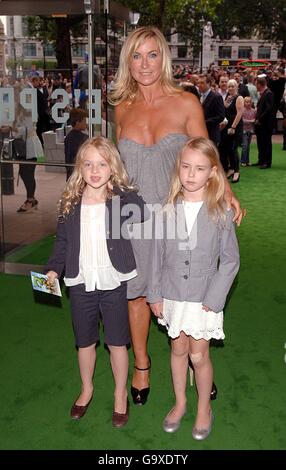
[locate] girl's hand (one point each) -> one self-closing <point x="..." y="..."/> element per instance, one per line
<point x="157" y="309"/>
<point x="205" y="308"/>
<point x="51" y="275"/>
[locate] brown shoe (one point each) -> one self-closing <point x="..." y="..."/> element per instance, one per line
<point x="78" y="411"/>
<point x="120" y="419"/>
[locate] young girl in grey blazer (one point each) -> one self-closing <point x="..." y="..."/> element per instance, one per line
<point x="194" y="260"/>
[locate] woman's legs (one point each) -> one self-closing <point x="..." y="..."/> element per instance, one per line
<point x="119" y="365"/>
<point x="86" y="361"/>
<point x="199" y="355"/>
<point x="27" y="173"/>
<point x="245" y="149"/>
<point x="233" y="155"/>
<point x="179" y="366"/>
<point x="139" y="322"/>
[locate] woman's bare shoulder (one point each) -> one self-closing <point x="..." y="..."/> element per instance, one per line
<point x="188" y="97"/>
<point x="188" y="102"/>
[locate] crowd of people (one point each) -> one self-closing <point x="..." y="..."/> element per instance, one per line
<point x="251" y="101"/>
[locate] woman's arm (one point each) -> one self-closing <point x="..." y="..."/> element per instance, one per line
<point x="195" y="125"/>
<point x="239" y="110"/>
<point x="233" y="202"/>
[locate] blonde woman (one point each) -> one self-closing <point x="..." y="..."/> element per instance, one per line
<point x="154" y="119"/>
<point x="25" y="129"/>
<point x="98" y="261"/>
<point x="191" y="273"/>
<point x="231" y="135"/>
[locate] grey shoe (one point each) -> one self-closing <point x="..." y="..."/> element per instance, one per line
<point x="201" y="434"/>
<point x="171" y="427"/>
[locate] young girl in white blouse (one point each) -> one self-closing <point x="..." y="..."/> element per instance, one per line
<point x="93" y="248"/>
<point x="194" y="261"/>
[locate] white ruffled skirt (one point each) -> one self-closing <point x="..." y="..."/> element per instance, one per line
<point x="190" y="318"/>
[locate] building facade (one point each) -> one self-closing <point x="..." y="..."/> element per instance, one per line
<point x="2" y="50"/>
<point x="221" y="52"/>
<point x="21" y="51"/>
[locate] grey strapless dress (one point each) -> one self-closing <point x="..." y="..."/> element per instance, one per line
<point x="150" y="169"/>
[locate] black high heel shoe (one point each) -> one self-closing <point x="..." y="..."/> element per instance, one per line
<point x="235" y="177"/>
<point x="213" y="394"/>
<point x="140" y="396"/>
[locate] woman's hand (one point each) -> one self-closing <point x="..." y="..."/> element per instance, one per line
<point x="157" y="309"/>
<point x="233" y="202"/>
<point x="223" y="124"/>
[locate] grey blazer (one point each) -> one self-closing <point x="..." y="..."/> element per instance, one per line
<point x="199" y="267"/>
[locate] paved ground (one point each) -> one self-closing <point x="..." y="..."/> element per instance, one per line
<point x="23" y="228"/>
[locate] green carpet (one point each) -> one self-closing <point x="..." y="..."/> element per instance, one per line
<point x="35" y="253"/>
<point x="39" y="373"/>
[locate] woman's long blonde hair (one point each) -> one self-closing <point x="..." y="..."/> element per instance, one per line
<point x="125" y="87"/>
<point x="215" y="186"/>
<point x="75" y="185"/>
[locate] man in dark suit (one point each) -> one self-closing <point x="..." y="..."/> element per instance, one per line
<point x="213" y="107"/>
<point x="242" y="88"/>
<point x="265" y="118"/>
<point x="43" y="123"/>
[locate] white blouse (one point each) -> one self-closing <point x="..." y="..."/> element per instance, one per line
<point x="95" y="267"/>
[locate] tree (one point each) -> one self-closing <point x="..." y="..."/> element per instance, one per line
<point x="245" y="18"/>
<point x="57" y="31"/>
<point x="186" y="16"/>
<point x="261" y="17"/>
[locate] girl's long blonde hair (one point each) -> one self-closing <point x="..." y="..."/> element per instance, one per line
<point x="125" y="87"/>
<point x="75" y="185"/>
<point x="215" y="186"/>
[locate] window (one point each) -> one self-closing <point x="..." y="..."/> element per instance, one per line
<point x="244" y="52"/>
<point x="224" y="52"/>
<point x="29" y="49"/>
<point x="182" y="51"/>
<point x="264" y="52"/>
<point x="11" y="25"/>
<point x="49" y="50"/>
<point x="78" y="50"/>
